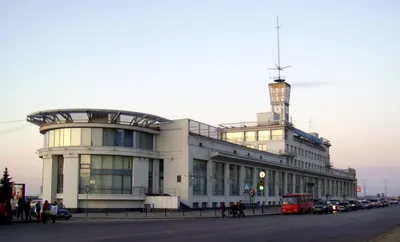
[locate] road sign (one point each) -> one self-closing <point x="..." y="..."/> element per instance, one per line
<point x="262" y="174"/>
<point x="246" y="187"/>
<point x="358" y="189"/>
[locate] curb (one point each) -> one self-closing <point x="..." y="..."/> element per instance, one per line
<point x="169" y="218"/>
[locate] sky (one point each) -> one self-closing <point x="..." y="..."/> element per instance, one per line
<point x="206" y="60"/>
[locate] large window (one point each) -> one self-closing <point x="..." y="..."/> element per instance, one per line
<point x="144" y="141"/>
<point x="199" y="177"/>
<point x="98" y="137"/>
<point x="251" y="136"/>
<point x="277" y="134"/>
<point x="234" y="181"/>
<point x="111" y="174"/>
<point x="235" y="137"/>
<point x="290" y="183"/>
<point x="297" y="178"/>
<point x="281" y="179"/>
<point x="60" y="173"/>
<point x="248" y="176"/>
<point x="219" y="179"/>
<point x="264" y="135"/>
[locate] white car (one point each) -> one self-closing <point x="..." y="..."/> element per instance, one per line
<point x="393" y="201"/>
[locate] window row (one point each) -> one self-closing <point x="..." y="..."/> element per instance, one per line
<point x="306" y="153"/>
<point x="106" y="174"/>
<point x="98" y="137"/>
<point x="306" y="165"/>
<point x="260" y="135"/>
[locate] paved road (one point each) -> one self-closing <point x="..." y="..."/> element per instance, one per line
<point x="351" y="227"/>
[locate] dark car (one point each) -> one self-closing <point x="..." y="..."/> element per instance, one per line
<point x="375" y="203"/>
<point x="344" y="206"/>
<point x="353" y="205"/>
<point x="384" y="202"/>
<point x="323" y="207"/>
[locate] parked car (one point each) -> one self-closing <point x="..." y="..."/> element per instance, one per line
<point x="393" y="201"/>
<point x="344" y="206"/>
<point x="384" y="202"/>
<point x="366" y="204"/>
<point x="353" y="205"/>
<point x="375" y="203"/>
<point x="323" y="207"/>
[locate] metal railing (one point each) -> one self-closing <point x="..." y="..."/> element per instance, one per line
<point x="204" y="129"/>
<point x="135" y="190"/>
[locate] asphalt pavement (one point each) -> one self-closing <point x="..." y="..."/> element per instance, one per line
<point x="342" y="227"/>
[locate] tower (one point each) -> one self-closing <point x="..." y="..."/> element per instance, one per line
<point x="279" y="90"/>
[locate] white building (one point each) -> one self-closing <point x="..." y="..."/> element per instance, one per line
<point x="129" y="159"/>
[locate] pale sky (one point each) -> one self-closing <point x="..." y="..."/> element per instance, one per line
<point x="206" y="60"/>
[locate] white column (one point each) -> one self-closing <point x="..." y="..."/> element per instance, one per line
<point x="285" y="182"/>
<point x="140" y="172"/>
<point x="49" y="178"/>
<point x="226" y="185"/>
<point x="71" y="181"/>
<point x="209" y="183"/>
<point x="276" y="185"/>
<point x="319" y="190"/>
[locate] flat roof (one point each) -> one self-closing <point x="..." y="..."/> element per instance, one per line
<point x="85" y="115"/>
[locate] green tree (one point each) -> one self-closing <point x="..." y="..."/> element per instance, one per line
<point x="6" y="187"/>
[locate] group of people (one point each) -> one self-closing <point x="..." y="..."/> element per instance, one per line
<point x="25" y="212"/>
<point x="236" y="210"/>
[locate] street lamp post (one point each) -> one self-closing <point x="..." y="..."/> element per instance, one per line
<point x="261" y="187"/>
<point x="87" y="190"/>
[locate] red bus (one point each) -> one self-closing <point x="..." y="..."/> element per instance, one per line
<point x="297" y="203"/>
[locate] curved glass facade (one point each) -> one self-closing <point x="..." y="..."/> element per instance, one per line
<point x="98" y="137"/>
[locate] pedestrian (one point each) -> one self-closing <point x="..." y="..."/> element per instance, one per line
<point x="223" y="209"/>
<point x="54" y="211"/>
<point x="27" y="208"/>
<point x="234" y="210"/>
<point x="241" y="208"/>
<point x="45" y="211"/>
<point x="37" y="211"/>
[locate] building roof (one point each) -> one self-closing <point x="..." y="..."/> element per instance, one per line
<point x="85" y="115"/>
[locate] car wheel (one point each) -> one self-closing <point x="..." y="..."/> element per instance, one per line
<point x="66" y="218"/>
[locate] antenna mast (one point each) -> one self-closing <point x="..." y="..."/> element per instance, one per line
<point x="278" y="66"/>
<point x="279" y="52"/>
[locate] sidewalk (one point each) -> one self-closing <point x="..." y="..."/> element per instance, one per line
<point x="392" y="236"/>
<point x="197" y="214"/>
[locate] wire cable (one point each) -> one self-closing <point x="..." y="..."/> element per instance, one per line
<point x="9" y="131"/>
<point x="12" y="121"/>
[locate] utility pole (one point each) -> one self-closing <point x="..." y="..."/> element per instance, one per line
<point x="365" y="187"/>
<point x="385" y="189"/>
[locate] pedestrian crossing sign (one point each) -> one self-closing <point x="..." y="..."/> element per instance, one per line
<point x="246" y="187"/>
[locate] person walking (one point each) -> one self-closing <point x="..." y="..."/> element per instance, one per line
<point x="27" y="210"/>
<point x="37" y="211"/>
<point x="241" y="208"/>
<point x="54" y="211"/>
<point x="223" y="209"/>
<point x="45" y="211"/>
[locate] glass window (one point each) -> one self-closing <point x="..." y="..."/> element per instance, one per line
<point x="144" y="141"/>
<point x="128" y="138"/>
<point x="108" y="137"/>
<point x="127" y="184"/>
<point x="127" y="163"/>
<point x="235" y="136"/>
<point x="96" y="162"/>
<point x="234" y="182"/>
<point x="264" y="135"/>
<point x="251" y="136"/>
<point x="75" y="136"/>
<point x="118" y="162"/>
<point x="51" y="138"/>
<point x="290" y="200"/>
<point x="86" y="136"/>
<point x="262" y="147"/>
<point x="67" y="137"/>
<point x="119" y="137"/>
<point x="56" y="138"/>
<point x="97" y="137"/>
<point x="199" y="177"/>
<point x="117" y="184"/>
<point x="277" y="134"/>
<point x="107" y="162"/>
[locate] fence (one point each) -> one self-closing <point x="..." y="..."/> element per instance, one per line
<point x="172" y="213"/>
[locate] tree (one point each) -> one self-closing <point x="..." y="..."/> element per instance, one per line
<point x="6" y="187"/>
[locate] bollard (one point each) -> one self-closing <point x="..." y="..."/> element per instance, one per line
<point x="262" y="208"/>
<point x="200" y="213"/>
<point x="183" y="211"/>
<point x="165" y="212"/>
<point x="146" y="211"/>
